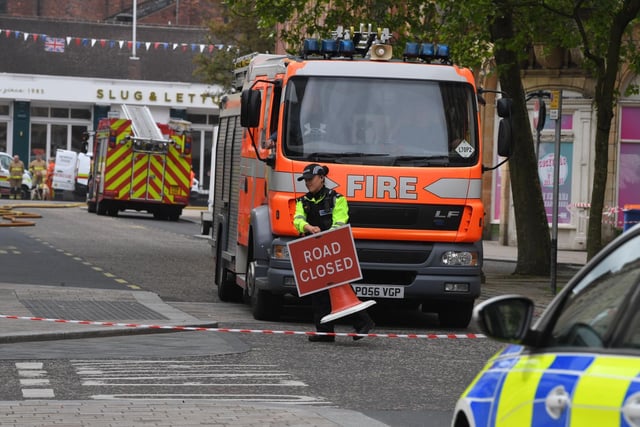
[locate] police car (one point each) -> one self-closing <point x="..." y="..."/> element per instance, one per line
<point x="578" y="365"/>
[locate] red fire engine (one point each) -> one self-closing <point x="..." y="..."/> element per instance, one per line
<point x="140" y="165"/>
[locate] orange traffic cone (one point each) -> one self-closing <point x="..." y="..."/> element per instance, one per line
<point x="344" y="302"/>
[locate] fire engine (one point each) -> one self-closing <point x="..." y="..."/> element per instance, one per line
<point x="403" y="143"/>
<point x="141" y="165"/>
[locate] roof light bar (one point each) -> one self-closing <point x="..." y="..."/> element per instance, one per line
<point x="426" y="52"/>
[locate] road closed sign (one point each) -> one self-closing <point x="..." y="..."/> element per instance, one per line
<point x="324" y="260"/>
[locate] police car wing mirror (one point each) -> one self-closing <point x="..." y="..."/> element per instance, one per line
<point x="506" y="318"/>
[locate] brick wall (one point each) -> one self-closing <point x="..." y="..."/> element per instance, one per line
<point x="185" y="12"/>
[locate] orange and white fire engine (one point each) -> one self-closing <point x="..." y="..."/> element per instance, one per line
<point x="403" y="143"/>
<point x="140" y="165"/>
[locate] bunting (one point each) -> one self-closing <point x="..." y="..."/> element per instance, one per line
<point x="58" y="44"/>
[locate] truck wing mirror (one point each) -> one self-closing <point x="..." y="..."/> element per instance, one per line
<point x="505" y="134"/>
<point x="503" y="106"/>
<point x="250" y="102"/>
<point x="505" y="138"/>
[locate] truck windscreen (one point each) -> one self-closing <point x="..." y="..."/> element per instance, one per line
<point x="380" y="122"/>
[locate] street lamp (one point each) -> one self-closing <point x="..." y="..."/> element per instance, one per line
<point x="135" y="19"/>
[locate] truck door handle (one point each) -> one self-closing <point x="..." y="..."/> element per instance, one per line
<point x="246" y="184"/>
<point x="556" y="402"/>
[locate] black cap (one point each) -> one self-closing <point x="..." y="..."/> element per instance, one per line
<point x="313" y="169"/>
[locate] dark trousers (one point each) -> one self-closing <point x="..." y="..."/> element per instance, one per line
<point x="321" y="304"/>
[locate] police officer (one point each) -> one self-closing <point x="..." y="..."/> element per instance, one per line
<point x="16" y="170"/>
<point x="319" y="210"/>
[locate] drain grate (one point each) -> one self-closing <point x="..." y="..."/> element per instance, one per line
<point x="91" y="310"/>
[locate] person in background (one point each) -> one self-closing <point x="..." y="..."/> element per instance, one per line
<point x="16" y="170"/>
<point x="50" y="171"/>
<point x="38" y="169"/>
<point x="319" y="210"/>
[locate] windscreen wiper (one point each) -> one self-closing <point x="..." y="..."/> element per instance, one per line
<point x="422" y="160"/>
<point x="317" y="156"/>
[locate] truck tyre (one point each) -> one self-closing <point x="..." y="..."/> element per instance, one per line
<point x="91" y="207"/>
<point x="101" y="208"/>
<point x="266" y="305"/>
<point x="455" y="314"/>
<point x="228" y="291"/>
<point x="173" y="214"/>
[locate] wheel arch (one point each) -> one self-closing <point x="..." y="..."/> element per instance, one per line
<point x="260" y="226"/>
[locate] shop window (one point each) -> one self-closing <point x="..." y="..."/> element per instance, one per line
<point x="629" y="169"/>
<point x="3" y="136"/>
<point x="197" y="118"/>
<point x="38" y="139"/>
<point x="58" y="137"/>
<point x="40" y="111"/>
<point x="80" y="113"/>
<point x="76" y="138"/>
<point x="62" y="113"/>
<point x="4" y="110"/>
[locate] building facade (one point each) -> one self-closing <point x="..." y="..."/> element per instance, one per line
<point x="577" y="118"/>
<point x="75" y="62"/>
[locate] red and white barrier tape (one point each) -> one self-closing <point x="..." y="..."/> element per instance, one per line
<point x="245" y="331"/>
<point x="608" y="211"/>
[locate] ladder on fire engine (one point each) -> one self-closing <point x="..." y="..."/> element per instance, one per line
<point x="143" y="125"/>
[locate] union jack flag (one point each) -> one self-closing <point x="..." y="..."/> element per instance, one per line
<point x="53" y="44"/>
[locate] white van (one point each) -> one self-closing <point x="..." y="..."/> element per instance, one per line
<point x="5" y="160"/>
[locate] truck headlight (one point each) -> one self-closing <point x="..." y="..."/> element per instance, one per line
<point x="464" y="258"/>
<point x="280" y="252"/>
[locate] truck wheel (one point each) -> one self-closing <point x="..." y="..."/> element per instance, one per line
<point x="173" y="214"/>
<point x="266" y="305"/>
<point x="228" y="291"/>
<point x="101" y="208"/>
<point x="91" y="207"/>
<point x="455" y="314"/>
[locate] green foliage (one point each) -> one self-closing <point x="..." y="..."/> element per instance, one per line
<point x="239" y="33"/>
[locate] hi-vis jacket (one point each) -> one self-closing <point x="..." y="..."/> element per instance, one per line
<point x="326" y="209"/>
<point x="16" y="170"/>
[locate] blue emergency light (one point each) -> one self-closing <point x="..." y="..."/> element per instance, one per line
<point x="411" y="50"/>
<point x="346" y="48"/>
<point x="442" y="52"/>
<point x="427" y="51"/>
<point x="310" y="47"/>
<point x="329" y="48"/>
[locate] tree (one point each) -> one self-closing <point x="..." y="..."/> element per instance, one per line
<point x="501" y="29"/>
<point x="239" y="33"/>
<point x="605" y="34"/>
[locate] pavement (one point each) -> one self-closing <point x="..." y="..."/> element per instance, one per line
<point x="122" y="307"/>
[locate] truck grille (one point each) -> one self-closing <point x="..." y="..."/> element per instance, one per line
<point x="392" y="256"/>
<point x="405" y="216"/>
